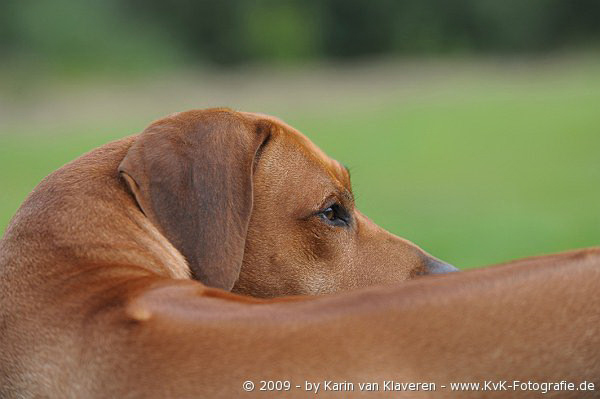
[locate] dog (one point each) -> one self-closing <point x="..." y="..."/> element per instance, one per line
<point x="185" y="262"/>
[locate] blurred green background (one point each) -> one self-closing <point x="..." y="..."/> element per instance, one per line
<point x="471" y="127"/>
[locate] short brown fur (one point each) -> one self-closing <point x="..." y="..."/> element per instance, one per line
<point x="96" y="298"/>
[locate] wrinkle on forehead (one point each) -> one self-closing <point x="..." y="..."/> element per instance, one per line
<point x="333" y="168"/>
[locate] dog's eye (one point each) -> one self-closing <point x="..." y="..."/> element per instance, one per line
<point x="330" y="214"/>
<point x="335" y="215"/>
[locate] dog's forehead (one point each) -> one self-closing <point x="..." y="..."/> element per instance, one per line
<point x="309" y="148"/>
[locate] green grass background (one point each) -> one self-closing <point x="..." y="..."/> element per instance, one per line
<point x="476" y="165"/>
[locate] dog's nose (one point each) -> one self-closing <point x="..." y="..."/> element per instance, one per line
<point x="435" y="266"/>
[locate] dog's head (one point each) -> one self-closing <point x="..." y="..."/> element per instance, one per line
<point x="257" y="208"/>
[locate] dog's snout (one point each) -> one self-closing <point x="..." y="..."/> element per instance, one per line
<point x="435" y="266"/>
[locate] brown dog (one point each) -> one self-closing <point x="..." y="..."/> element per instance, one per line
<point x="96" y="299"/>
<point x="253" y="205"/>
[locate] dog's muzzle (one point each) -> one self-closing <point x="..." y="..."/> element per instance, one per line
<point x="435" y="266"/>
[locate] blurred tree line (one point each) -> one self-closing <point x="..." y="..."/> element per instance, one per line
<point x="80" y="34"/>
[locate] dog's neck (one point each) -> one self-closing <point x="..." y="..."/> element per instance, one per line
<point x="79" y="222"/>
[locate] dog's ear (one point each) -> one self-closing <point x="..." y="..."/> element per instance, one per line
<point x="191" y="175"/>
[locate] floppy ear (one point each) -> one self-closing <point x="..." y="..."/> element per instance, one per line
<point x="191" y="175"/>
